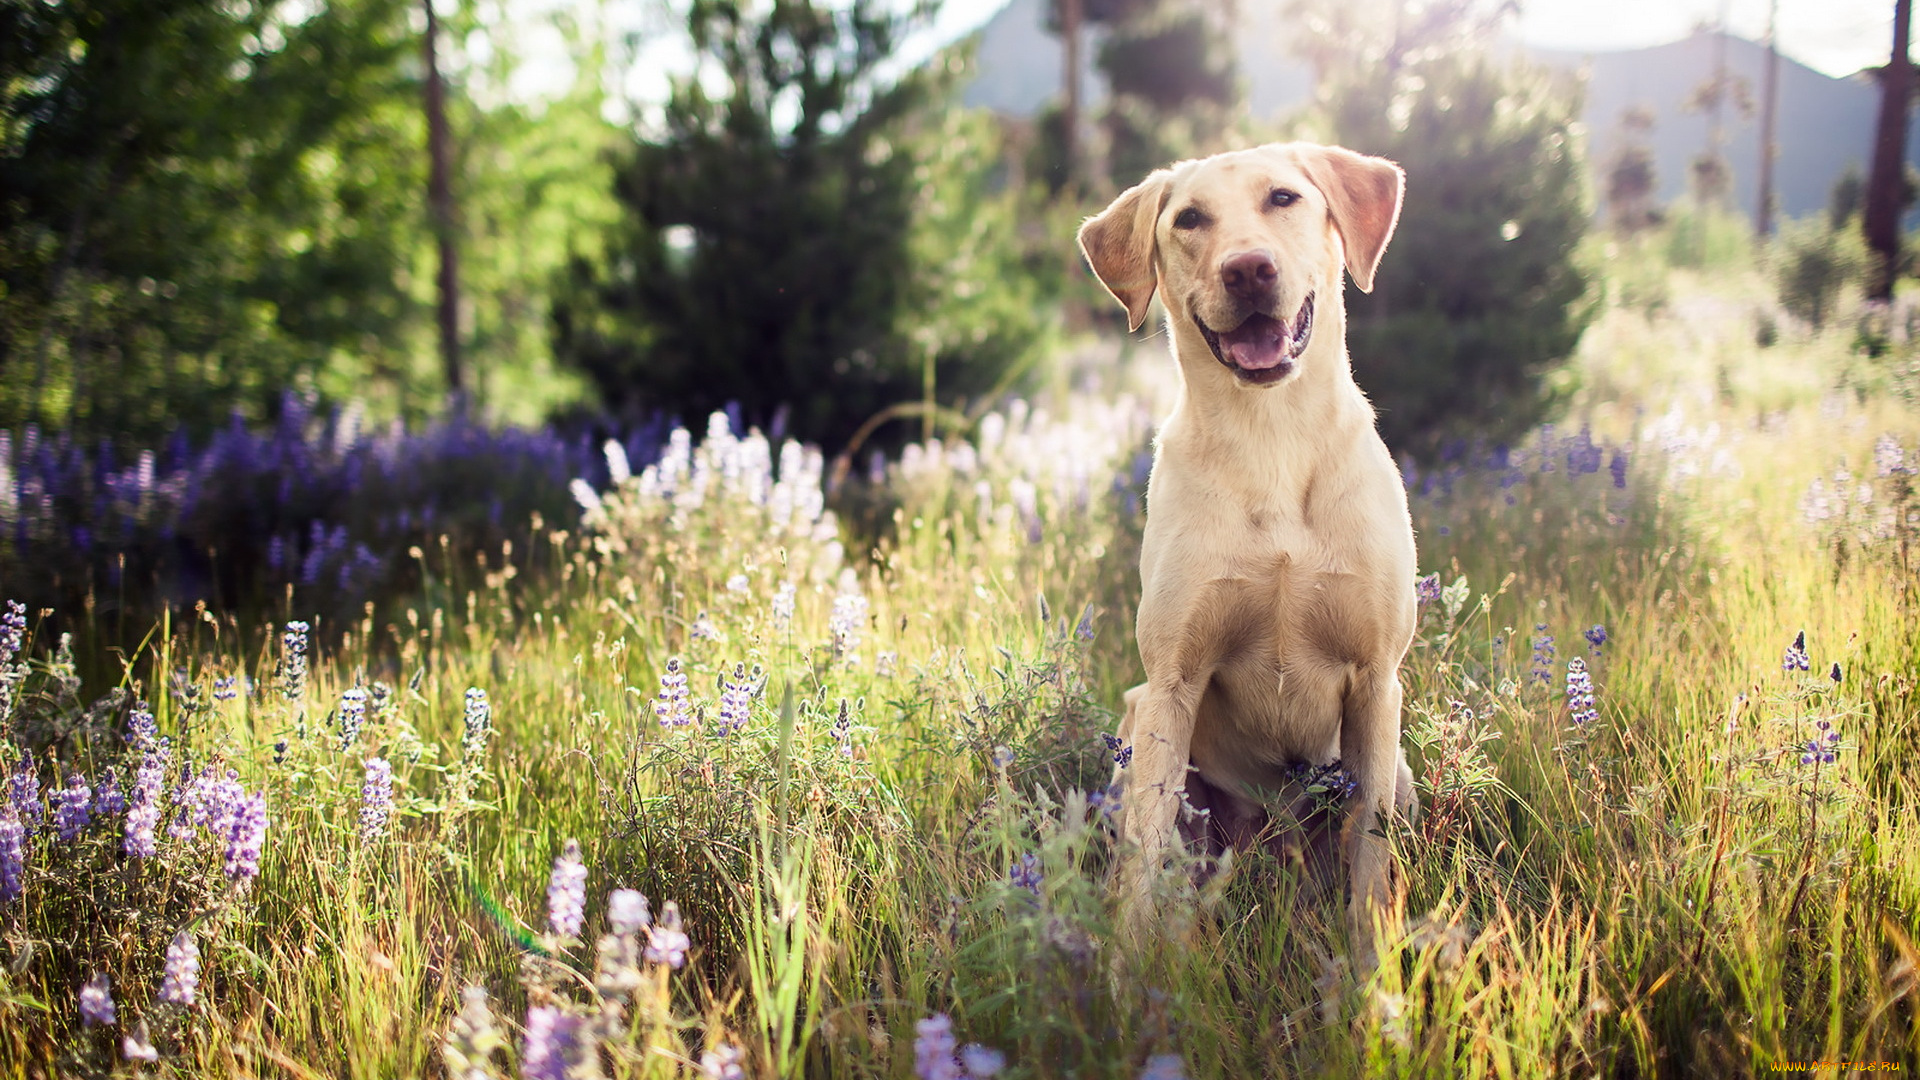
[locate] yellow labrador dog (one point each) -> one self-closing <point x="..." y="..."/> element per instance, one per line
<point x="1278" y="564"/>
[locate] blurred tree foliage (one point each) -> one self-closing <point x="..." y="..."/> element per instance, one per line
<point x="1812" y="262"/>
<point x="1480" y="296"/>
<point x="1173" y="87"/>
<point x="1630" y="181"/>
<point x="812" y="241"/>
<point x="1171" y="81"/>
<point x="201" y="201"/>
<point x="204" y="202"/>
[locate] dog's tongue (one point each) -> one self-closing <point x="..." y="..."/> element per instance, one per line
<point x="1257" y="344"/>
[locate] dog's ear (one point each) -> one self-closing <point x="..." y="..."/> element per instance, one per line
<point x="1118" y="243"/>
<point x="1364" y="194"/>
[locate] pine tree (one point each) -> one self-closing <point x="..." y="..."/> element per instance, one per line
<point x="201" y="203"/>
<point x="1479" y="297"/>
<point x="766" y="253"/>
<point x="1172" y="83"/>
<point x="1630" y="180"/>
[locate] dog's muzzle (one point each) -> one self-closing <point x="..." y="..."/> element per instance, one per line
<point x="1262" y="349"/>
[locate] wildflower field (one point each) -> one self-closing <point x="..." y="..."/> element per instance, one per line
<point x="779" y="766"/>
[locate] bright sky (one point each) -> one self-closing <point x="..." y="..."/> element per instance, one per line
<point x="1837" y="37"/>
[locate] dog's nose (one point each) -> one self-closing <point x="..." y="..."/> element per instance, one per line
<point x="1248" y="274"/>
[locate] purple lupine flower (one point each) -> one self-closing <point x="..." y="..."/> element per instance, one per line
<point x="1542" y="653"/>
<point x="1084" y="629"/>
<point x="934" y="1049"/>
<point x="13" y="637"/>
<point x="627" y="911"/>
<point x="246" y="837"/>
<point x="1823" y="748"/>
<point x="1580" y="693"/>
<point x="1835" y="673"/>
<point x="1106" y="800"/>
<point x="221" y="805"/>
<point x="667" y="941"/>
<point x="209" y="802"/>
<point x="1889" y="458"/>
<point x="353" y="714"/>
<point x="13" y="854"/>
<point x="1164" y="1067"/>
<point x="736" y="700"/>
<point x="138" y="1045"/>
<point x="703" y="628"/>
<point x="723" y="1062"/>
<point x="143" y="813"/>
<point x="70" y="811"/>
<point x="24" y="791"/>
<point x="848" y="619"/>
<point x="478" y="721"/>
<point x="1795" y="658"/>
<point x="887" y="663"/>
<point x="181" y="977"/>
<point x="1426" y="589"/>
<point x="293" y="663"/>
<point x="981" y="1062"/>
<point x="96" y="1002"/>
<point x="141" y="727"/>
<point x="107" y="798"/>
<point x="1122" y="753"/>
<point x="226" y="687"/>
<point x="567" y="892"/>
<point x="1027" y="873"/>
<point x="376" y="798"/>
<point x="13" y="631"/>
<point x="783" y="607"/>
<point x="1596" y="636"/>
<point x="671" y="704"/>
<point x="553" y="1037"/>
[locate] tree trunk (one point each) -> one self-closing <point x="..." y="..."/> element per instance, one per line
<point x="1887" y="181"/>
<point x="441" y="210"/>
<point x="1070" y="115"/>
<point x="1769" y="112"/>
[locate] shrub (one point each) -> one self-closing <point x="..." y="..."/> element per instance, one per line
<point x="1812" y="263"/>
<point x="1480" y="295"/>
<point x="782" y="261"/>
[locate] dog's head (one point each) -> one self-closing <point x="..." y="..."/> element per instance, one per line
<point x="1241" y="245"/>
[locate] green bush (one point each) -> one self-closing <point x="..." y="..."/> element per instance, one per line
<point x="1480" y="295"/>
<point x="1708" y="238"/>
<point x="807" y="244"/>
<point x="1812" y="263"/>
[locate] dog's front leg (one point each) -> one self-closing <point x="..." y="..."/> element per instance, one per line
<point x="1370" y="750"/>
<point x="1162" y="718"/>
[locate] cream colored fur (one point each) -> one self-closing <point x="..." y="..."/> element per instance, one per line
<point x="1278" y="563"/>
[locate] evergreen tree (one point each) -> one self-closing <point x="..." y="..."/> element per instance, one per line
<point x="767" y="253"/>
<point x="1172" y="85"/>
<point x="200" y="202"/>
<point x="1630" y="181"/>
<point x="1171" y="79"/>
<point x="1479" y="297"/>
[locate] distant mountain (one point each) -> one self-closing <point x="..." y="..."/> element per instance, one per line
<point x="1825" y="124"/>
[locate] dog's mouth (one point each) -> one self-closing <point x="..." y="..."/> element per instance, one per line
<point x="1262" y="349"/>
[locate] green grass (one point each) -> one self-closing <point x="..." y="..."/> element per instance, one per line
<point x="1666" y="891"/>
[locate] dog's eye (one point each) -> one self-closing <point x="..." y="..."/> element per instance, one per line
<point x="1283" y="197"/>
<point x="1190" y="218"/>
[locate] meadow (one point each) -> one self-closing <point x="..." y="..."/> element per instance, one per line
<point x="782" y="766"/>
